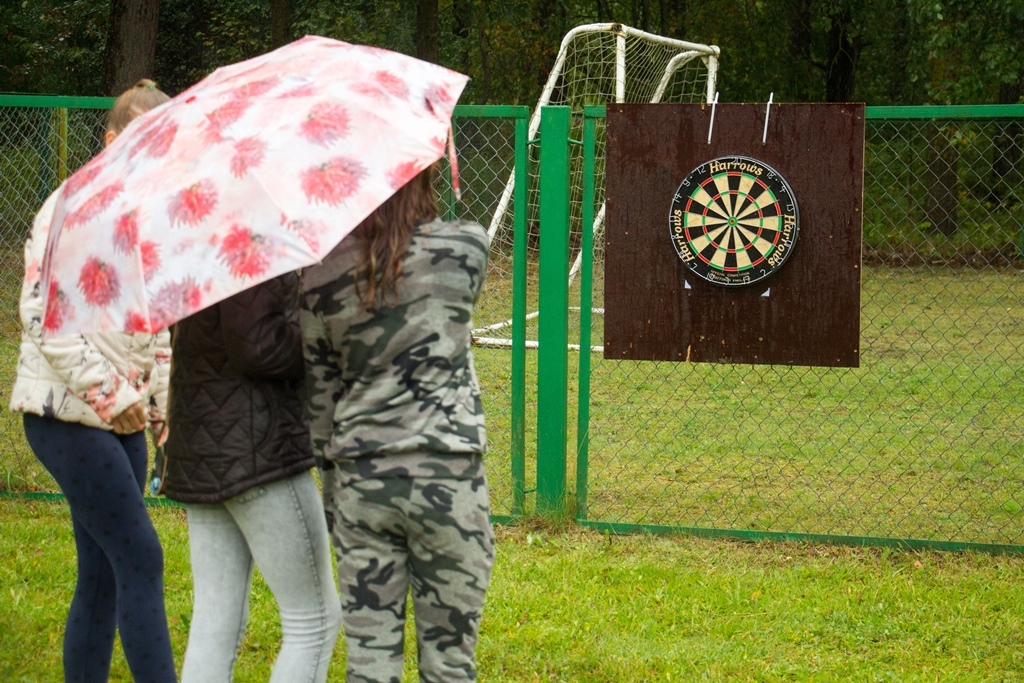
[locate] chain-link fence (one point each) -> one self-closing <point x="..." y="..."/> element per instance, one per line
<point x="43" y="140"/>
<point x="925" y="440"/>
<point x="491" y="144"/>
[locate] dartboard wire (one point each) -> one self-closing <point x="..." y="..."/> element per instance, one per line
<point x="693" y="207"/>
<point x="747" y="182"/>
<point x="755" y="203"/>
<point x="745" y="203"/>
<point x="700" y="221"/>
<point x="743" y="199"/>
<point x="762" y="223"/>
<point x="754" y="242"/>
<point x="733" y="243"/>
<point x="762" y="244"/>
<point x="742" y="253"/>
<point x="756" y="206"/>
<point x="718" y="258"/>
<point x="716" y="198"/>
<point x="721" y="205"/>
<point x="737" y="243"/>
<point x="741" y="205"/>
<point x="744" y="182"/>
<point x="705" y="201"/>
<point x="722" y="185"/>
<point x="701" y="197"/>
<point x="742" y="256"/>
<point x="701" y="242"/>
<point x="733" y="247"/>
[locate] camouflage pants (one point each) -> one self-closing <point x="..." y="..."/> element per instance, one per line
<point x="433" y="535"/>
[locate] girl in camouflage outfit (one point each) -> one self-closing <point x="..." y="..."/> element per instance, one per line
<point x="398" y="429"/>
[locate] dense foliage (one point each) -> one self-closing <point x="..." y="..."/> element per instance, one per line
<point x="875" y="51"/>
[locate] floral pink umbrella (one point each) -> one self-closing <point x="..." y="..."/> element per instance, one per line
<point x="260" y="168"/>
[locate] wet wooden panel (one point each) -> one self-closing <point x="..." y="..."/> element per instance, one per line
<point x="805" y="313"/>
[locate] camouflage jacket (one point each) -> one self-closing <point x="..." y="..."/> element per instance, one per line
<point x="392" y="391"/>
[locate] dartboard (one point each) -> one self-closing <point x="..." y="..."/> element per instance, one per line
<point x="734" y="221"/>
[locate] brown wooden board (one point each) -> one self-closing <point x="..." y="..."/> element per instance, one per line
<point x="805" y="313"/>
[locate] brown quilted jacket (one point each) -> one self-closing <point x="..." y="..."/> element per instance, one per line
<point x="235" y="396"/>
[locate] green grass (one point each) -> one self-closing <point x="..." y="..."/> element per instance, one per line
<point x="572" y="605"/>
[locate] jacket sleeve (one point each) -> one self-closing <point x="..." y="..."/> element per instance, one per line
<point x="260" y="328"/>
<point x="323" y="386"/>
<point x="76" y="359"/>
<point x="159" y="378"/>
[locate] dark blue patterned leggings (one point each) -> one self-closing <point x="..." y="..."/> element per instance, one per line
<point x="120" y="561"/>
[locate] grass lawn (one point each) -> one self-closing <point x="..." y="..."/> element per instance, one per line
<point x="572" y="605"/>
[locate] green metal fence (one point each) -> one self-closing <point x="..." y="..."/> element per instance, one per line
<point x="43" y="139"/>
<point x="921" y="445"/>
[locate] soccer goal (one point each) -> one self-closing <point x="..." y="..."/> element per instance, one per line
<point x="600" y="64"/>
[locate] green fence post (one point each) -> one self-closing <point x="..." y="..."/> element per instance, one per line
<point x="519" y="274"/>
<point x="586" y="307"/>
<point x="553" y="310"/>
<point x="62" y="144"/>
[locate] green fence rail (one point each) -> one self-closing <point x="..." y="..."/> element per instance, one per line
<point x="922" y="446"/>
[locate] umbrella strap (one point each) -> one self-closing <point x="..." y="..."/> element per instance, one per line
<point x="453" y="163"/>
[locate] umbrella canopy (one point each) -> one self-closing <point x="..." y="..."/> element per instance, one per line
<point x="260" y="168"/>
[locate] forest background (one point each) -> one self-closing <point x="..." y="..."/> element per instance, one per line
<point x="881" y="52"/>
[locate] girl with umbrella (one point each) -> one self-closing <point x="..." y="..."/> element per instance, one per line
<point x="87" y="400"/>
<point x="238" y="455"/>
<point x="398" y="425"/>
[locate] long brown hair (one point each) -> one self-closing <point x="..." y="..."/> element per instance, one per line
<point x="387" y="233"/>
<point x="138" y="99"/>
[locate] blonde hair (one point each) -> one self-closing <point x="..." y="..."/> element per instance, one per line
<point x="138" y="99"/>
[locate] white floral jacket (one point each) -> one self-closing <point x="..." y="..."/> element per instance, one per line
<point x="83" y="378"/>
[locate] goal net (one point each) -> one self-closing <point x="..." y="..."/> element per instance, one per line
<point x="596" y="64"/>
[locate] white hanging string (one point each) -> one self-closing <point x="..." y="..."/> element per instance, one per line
<point x="764" y="137"/>
<point x="711" y="125"/>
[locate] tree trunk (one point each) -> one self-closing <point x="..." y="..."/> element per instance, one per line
<point x="941" y="177"/>
<point x="130" y="53"/>
<point x="280" y="22"/>
<point x="799" y="47"/>
<point x="941" y="183"/>
<point x="841" y="60"/>
<point x="485" y="52"/>
<point x="672" y="18"/>
<point x="644" y="19"/>
<point x="463" y="20"/>
<point x="426" y="30"/>
<point x="900" y="61"/>
<point x="550" y="15"/>
<point x="1006" y="147"/>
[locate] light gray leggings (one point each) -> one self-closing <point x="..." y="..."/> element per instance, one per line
<point x="281" y="527"/>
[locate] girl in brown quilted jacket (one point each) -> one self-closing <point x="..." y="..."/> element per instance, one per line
<point x="238" y="455"/>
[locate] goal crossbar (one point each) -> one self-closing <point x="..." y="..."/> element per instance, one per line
<point x="688" y="52"/>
